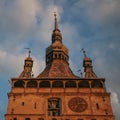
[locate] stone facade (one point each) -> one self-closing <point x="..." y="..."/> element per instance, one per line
<point x="58" y="94"/>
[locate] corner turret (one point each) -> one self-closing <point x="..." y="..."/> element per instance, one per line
<point x="88" y="68"/>
<point x="28" y="64"/>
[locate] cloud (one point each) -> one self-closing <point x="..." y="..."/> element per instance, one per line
<point x="99" y="11"/>
<point x="90" y="24"/>
<point x="26" y="21"/>
<point x="18" y="17"/>
<point x="115" y="104"/>
<point x="17" y="23"/>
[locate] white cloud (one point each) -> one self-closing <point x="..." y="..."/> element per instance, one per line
<point x="20" y="15"/>
<point x="19" y="23"/>
<point x="115" y="104"/>
<point x="10" y="64"/>
<point x="100" y="11"/>
<point x="21" y="20"/>
<point x="38" y="66"/>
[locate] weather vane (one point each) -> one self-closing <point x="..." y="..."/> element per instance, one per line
<point x="84" y="52"/>
<point x="55" y="14"/>
<point x="81" y="73"/>
<point x="29" y="51"/>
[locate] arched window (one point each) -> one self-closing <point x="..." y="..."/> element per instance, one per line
<point x="70" y="84"/>
<point x="58" y="84"/>
<point x="45" y="84"/>
<point x="96" y="84"/>
<point x="32" y="84"/>
<point x="83" y="84"/>
<point x="19" y="84"/>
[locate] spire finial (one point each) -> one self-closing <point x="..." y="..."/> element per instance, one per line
<point x="29" y="51"/>
<point x="56" y="23"/>
<point x="84" y="52"/>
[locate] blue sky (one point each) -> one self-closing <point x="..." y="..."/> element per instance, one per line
<point x="90" y="24"/>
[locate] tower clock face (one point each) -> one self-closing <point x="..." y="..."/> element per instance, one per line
<point x="77" y="104"/>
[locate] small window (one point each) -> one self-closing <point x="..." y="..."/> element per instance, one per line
<point x="57" y="84"/>
<point x="54" y="119"/>
<point x="35" y="105"/>
<point x="83" y="84"/>
<point x="70" y="84"/>
<point x="15" y="119"/>
<point x="44" y="84"/>
<point x="23" y="103"/>
<point x="59" y="55"/>
<point x="14" y="98"/>
<point x="40" y="118"/>
<point x="19" y="84"/>
<point x="27" y="119"/>
<point x="97" y="106"/>
<point x="96" y="84"/>
<point x="32" y="84"/>
<point x="106" y="112"/>
<point x="103" y="99"/>
<point x="12" y="110"/>
<point x="55" y="55"/>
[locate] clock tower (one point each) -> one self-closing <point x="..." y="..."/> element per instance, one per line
<point x="57" y="93"/>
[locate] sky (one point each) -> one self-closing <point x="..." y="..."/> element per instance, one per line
<point x="90" y="24"/>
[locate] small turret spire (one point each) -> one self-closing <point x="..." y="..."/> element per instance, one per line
<point x="29" y="51"/>
<point x="84" y="52"/>
<point x="27" y="72"/>
<point x="56" y="23"/>
<point x="88" y="68"/>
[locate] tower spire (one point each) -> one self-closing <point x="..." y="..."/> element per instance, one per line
<point x="56" y="36"/>
<point x="56" y="23"/>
